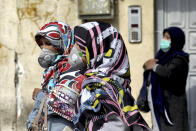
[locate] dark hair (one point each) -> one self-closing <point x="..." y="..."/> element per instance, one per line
<point x="43" y="41"/>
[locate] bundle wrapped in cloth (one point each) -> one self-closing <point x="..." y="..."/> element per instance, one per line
<point x="62" y="100"/>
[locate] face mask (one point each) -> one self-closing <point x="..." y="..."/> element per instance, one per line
<point x="165" y="45"/>
<point x="75" y="59"/>
<point x="46" y="58"/>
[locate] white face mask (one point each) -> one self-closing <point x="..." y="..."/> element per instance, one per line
<point x="46" y="58"/>
<point x="75" y="59"/>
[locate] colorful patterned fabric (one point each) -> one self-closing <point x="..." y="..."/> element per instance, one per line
<point x="106" y="90"/>
<point x="61" y="73"/>
<point x="61" y="81"/>
<point x="62" y="98"/>
<point x="59" y="34"/>
<point x="61" y="37"/>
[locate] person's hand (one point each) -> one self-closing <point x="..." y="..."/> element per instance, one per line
<point x="35" y="92"/>
<point x="149" y="64"/>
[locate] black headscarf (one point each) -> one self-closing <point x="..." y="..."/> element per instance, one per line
<point x="177" y="38"/>
<point x="177" y="43"/>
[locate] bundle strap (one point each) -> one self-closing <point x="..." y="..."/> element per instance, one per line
<point x="45" y="117"/>
<point x="36" y="120"/>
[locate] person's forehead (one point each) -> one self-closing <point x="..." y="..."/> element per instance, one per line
<point x="166" y="34"/>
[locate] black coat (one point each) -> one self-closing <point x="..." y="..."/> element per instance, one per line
<point x="173" y="76"/>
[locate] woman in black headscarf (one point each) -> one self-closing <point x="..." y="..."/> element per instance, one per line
<point x="168" y="74"/>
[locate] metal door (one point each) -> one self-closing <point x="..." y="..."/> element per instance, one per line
<point x="181" y="13"/>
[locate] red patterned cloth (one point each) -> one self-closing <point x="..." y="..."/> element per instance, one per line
<point x="62" y="82"/>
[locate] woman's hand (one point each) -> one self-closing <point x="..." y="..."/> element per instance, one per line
<point x="149" y="64"/>
<point x="35" y="92"/>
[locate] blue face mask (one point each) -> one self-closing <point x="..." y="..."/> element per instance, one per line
<point x="165" y="45"/>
